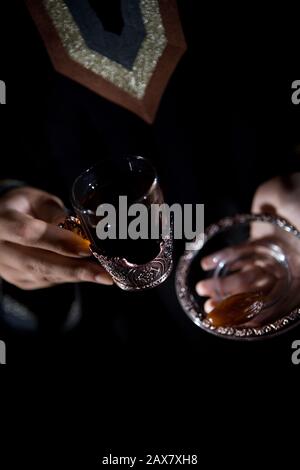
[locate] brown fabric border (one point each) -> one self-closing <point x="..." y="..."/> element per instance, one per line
<point x="148" y="106"/>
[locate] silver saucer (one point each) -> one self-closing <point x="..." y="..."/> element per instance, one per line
<point x="190" y="303"/>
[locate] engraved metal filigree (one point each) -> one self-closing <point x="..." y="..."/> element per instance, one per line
<point x="140" y="276"/>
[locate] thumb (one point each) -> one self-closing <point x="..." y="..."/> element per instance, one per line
<point x="50" y="209"/>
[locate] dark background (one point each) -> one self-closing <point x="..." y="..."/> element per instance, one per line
<point x="226" y="123"/>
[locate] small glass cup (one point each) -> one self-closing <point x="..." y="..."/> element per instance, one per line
<point x="250" y="265"/>
<point x="134" y="264"/>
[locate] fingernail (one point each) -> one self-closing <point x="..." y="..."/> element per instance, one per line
<point x="204" y="264"/>
<point x="84" y="251"/>
<point x="200" y="290"/>
<point x="84" y="254"/>
<point x="208" y="262"/>
<point x="209" y="307"/>
<point x="103" y="279"/>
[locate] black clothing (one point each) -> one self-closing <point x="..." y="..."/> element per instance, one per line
<point x="219" y="132"/>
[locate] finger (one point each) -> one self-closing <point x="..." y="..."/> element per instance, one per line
<point x="211" y="261"/>
<point x="18" y="279"/>
<point x="40" y="265"/>
<point x="50" y="209"/>
<point x="43" y="205"/>
<point x="25" y="230"/>
<point x="233" y="253"/>
<point x="34" y="202"/>
<point x="249" y="280"/>
<point x="210" y="305"/>
<point x="208" y="288"/>
<point x="228" y="254"/>
<point x="12" y="275"/>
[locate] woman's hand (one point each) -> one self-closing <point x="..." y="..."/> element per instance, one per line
<point x="279" y="196"/>
<point x="34" y="252"/>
